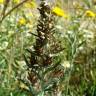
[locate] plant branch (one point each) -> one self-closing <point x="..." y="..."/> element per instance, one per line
<point x="15" y="7"/>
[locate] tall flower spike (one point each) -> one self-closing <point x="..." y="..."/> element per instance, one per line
<point x="41" y="65"/>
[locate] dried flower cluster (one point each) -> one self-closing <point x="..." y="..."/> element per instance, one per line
<point x="43" y="64"/>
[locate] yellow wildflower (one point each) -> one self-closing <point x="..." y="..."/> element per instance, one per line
<point x="90" y="13"/>
<point x="59" y="12"/>
<point x="16" y="1"/>
<point x="1" y="1"/>
<point x="22" y="21"/>
<point x="30" y="4"/>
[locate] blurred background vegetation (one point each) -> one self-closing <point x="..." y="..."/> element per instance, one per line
<point x="75" y="23"/>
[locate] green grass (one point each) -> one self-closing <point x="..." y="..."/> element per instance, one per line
<point x="77" y="35"/>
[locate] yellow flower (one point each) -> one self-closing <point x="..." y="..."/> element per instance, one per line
<point x="30" y="4"/>
<point x="16" y="1"/>
<point x="1" y="1"/>
<point x="59" y="12"/>
<point x="90" y="13"/>
<point x="22" y="21"/>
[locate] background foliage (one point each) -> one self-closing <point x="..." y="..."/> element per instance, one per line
<point x="76" y="28"/>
